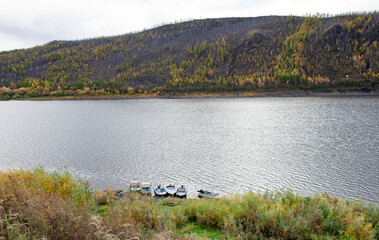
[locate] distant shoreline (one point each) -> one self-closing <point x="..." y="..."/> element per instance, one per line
<point x="195" y="95"/>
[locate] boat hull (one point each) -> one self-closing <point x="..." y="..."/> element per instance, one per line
<point x="135" y="189"/>
<point x="161" y="195"/>
<point x="181" y="192"/>
<point x="207" y="194"/>
<point x="171" y="190"/>
<point x="146" y="192"/>
<point x="160" y="192"/>
<point x="181" y="195"/>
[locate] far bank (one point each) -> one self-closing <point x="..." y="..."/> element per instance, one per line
<point x="226" y="94"/>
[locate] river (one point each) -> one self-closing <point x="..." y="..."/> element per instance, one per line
<point x="231" y="145"/>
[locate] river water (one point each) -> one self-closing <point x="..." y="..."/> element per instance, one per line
<point x="231" y="145"/>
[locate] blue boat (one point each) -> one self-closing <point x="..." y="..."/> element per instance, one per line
<point x="207" y="194"/>
<point x="146" y="188"/>
<point x="160" y="191"/>
<point x="181" y="192"/>
<point x="171" y="190"/>
<point x="135" y="186"/>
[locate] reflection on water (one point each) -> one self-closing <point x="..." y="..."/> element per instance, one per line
<point x="230" y="145"/>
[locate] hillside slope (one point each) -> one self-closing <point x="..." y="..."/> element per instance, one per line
<point x="204" y="55"/>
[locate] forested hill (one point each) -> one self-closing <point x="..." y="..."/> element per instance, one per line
<point x="274" y="52"/>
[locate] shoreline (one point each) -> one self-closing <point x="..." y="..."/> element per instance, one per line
<point x="196" y="95"/>
<point x="39" y="203"/>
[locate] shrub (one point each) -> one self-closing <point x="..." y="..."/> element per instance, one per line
<point x="101" y="197"/>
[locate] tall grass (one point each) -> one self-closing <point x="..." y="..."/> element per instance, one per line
<point x="35" y="204"/>
<point x="286" y="216"/>
<point x="38" y="204"/>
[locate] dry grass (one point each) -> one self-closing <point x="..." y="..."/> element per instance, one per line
<point x="41" y="205"/>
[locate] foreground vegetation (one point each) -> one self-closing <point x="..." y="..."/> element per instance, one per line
<point x="210" y="55"/>
<point x="35" y="204"/>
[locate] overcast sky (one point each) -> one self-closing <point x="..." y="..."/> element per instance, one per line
<point x="27" y="23"/>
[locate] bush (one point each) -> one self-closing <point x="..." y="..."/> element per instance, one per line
<point x="347" y="82"/>
<point x="101" y="197"/>
<point x="285" y="216"/>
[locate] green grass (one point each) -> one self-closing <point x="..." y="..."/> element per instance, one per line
<point x="193" y="228"/>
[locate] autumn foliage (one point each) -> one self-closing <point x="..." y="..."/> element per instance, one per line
<point x="230" y="54"/>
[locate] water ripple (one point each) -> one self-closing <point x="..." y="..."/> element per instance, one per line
<point x="308" y="145"/>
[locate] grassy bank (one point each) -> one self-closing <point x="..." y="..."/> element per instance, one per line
<point x="37" y="204"/>
<point x="204" y="94"/>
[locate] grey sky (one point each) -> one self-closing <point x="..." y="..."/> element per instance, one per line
<point x="26" y="23"/>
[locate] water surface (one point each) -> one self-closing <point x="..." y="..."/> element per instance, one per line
<point x="232" y="145"/>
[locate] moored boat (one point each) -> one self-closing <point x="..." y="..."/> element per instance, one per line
<point x="160" y="191"/>
<point x="207" y="194"/>
<point x="171" y="190"/>
<point x="135" y="186"/>
<point x="181" y="192"/>
<point x="146" y="188"/>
